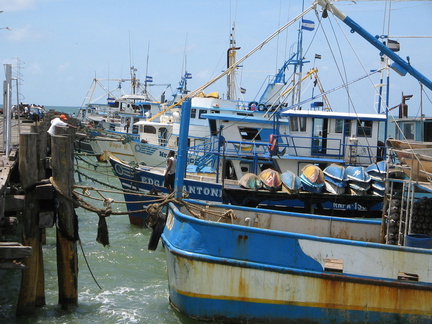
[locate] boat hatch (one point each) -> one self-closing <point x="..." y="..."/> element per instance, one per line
<point x="333" y="265"/>
<point x="407" y="276"/>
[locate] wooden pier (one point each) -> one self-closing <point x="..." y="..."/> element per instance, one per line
<point x="11" y="253"/>
<point x="30" y="182"/>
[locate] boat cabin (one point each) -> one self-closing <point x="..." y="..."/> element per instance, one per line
<point x="413" y="129"/>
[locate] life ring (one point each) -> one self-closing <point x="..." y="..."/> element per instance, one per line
<point x="273" y="144"/>
<point x="262" y="107"/>
<point x="252" y="105"/>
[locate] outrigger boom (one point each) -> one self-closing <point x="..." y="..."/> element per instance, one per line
<point x="399" y="65"/>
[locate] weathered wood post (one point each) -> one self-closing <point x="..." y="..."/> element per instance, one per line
<point x="42" y="138"/>
<point x="67" y="222"/>
<point x="31" y="232"/>
<point x="41" y="149"/>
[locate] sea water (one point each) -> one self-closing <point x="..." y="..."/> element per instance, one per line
<point x="133" y="280"/>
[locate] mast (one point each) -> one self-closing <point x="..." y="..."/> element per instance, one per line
<point x="298" y="65"/>
<point x="236" y="64"/>
<point x="231" y="59"/>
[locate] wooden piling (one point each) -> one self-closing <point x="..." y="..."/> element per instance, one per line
<point x="41" y="130"/>
<point x="31" y="233"/>
<point x="67" y="223"/>
<point x="41" y="149"/>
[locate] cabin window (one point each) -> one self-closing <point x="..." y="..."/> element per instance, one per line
<point x="249" y="134"/>
<point x="163" y="136"/>
<point x="193" y="113"/>
<point x="302" y="122"/>
<point x="202" y="112"/>
<point x="427" y="131"/>
<point x="364" y="128"/>
<point x="213" y="127"/>
<point x="408" y="130"/>
<point x="149" y="129"/>
<point x="339" y="126"/>
<point x="177" y="142"/>
<point x="294" y="124"/>
<point x="298" y="124"/>
<point x="347" y="127"/>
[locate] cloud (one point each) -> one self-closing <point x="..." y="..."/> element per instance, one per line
<point x="25" y="33"/>
<point x="63" y="67"/>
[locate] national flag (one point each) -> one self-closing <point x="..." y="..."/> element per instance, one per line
<point x="318" y="56"/>
<point x="188" y="75"/>
<point x="308" y="24"/>
<point x="242" y="90"/>
<point x="149" y="78"/>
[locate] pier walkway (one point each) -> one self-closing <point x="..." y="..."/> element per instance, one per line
<point x="10" y="252"/>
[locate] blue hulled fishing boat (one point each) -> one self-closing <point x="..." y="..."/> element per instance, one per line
<point x="237" y="264"/>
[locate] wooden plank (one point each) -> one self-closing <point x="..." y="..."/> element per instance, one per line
<point x="14" y="251"/>
<point x="335" y="265"/>
<point x="45" y="191"/>
<point x="14" y="265"/>
<point x="14" y="202"/>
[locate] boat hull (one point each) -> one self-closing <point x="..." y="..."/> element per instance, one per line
<point x="227" y="273"/>
<point x="150" y="184"/>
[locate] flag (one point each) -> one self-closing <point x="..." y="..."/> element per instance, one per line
<point x="308" y="25"/>
<point x="393" y="45"/>
<point x="318" y="56"/>
<point x="188" y="75"/>
<point x="149" y="78"/>
<point x="242" y="90"/>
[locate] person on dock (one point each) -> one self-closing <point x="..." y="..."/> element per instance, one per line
<point x="170" y="172"/>
<point x="59" y="121"/>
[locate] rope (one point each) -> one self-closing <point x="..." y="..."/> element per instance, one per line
<point x="88" y="265"/>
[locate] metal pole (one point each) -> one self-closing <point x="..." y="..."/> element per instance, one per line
<point x="182" y="149"/>
<point x="7" y="95"/>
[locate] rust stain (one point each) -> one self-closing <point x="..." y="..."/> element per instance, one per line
<point x="356" y="296"/>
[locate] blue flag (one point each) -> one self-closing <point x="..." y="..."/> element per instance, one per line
<point x="149" y="79"/>
<point x="188" y="75"/>
<point x="308" y="25"/>
<point x="242" y="90"/>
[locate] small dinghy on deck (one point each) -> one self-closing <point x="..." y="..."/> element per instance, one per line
<point x="358" y="180"/>
<point x="271" y="179"/>
<point x="312" y="178"/>
<point x="335" y="179"/>
<point x="290" y="182"/>
<point x="250" y="181"/>
<point x="377" y="172"/>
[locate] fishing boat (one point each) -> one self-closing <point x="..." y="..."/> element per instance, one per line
<point x="415" y="166"/>
<point x="265" y="256"/>
<point x="143" y="184"/>
<point x="296" y="267"/>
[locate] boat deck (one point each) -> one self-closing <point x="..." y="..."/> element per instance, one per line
<point x="347" y="205"/>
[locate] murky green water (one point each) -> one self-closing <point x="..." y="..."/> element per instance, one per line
<point x="133" y="279"/>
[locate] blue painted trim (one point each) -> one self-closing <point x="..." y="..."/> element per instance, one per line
<point x="219" y="310"/>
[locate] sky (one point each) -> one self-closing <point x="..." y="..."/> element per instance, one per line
<point x="57" y="47"/>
